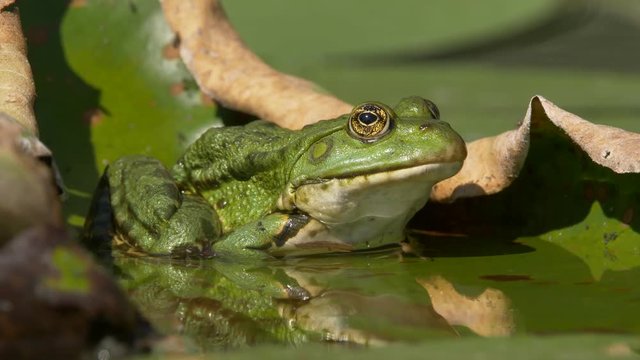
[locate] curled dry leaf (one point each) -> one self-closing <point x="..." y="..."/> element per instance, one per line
<point x="228" y="71"/>
<point x="5" y="3"/>
<point x="494" y="162"/>
<point x="28" y="197"/>
<point x="17" y="89"/>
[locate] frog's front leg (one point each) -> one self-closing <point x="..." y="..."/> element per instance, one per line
<point x="252" y="242"/>
<point x="153" y="216"/>
<point x="255" y="239"/>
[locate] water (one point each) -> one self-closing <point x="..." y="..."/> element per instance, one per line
<point x="386" y="297"/>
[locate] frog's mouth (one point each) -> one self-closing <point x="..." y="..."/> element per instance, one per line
<point x="427" y="172"/>
<point x="439" y="171"/>
<point x="383" y="194"/>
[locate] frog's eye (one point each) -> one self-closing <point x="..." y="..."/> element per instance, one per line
<point x="370" y="121"/>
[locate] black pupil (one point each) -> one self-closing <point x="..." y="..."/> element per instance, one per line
<point x="367" y="118"/>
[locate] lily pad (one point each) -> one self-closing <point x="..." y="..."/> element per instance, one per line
<point x="125" y="90"/>
<point x="381" y="298"/>
<point x="578" y="347"/>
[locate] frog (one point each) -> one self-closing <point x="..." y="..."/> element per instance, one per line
<point x="260" y="191"/>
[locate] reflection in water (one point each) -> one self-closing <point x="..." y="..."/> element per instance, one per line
<point x="216" y="305"/>
<point x="488" y="314"/>
<point x="194" y="299"/>
<point x="373" y="320"/>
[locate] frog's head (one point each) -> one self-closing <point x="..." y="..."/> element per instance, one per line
<point x="376" y="161"/>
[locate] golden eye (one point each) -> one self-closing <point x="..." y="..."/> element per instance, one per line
<point x="370" y="121"/>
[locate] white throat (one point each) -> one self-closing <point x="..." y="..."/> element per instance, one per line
<point x="385" y="194"/>
<point x="366" y="210"/>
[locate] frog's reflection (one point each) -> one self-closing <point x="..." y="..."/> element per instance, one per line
<point x="220" y="305"/>
<point x="368" y="319"/>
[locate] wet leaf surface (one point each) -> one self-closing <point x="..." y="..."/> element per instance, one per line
<point x="561" y="347"/>
<point x="382" y="298"/>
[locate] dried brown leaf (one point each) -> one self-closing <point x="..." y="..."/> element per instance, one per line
<point x="228" y="71"/>
<point x="17" y="89"/>
<point x="5" y="3"/>
<point x="494" y="162"/>
<point x="25" y="183"/>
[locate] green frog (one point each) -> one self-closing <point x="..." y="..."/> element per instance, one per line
<point x="259" y="191"/>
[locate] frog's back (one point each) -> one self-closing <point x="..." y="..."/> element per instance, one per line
<point x="236" y="152"/>
<point x="239" y="170"/>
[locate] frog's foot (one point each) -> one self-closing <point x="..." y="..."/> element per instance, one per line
<point x="152" y="216"/>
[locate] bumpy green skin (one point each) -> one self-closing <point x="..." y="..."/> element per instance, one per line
<point x="231" y="192"/>
<point x="241" y="171"/>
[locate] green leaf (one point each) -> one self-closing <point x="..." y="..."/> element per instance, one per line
<point x="109" y="86"/>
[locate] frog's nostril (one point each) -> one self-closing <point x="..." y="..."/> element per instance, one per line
<point x="425" y="126"/>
